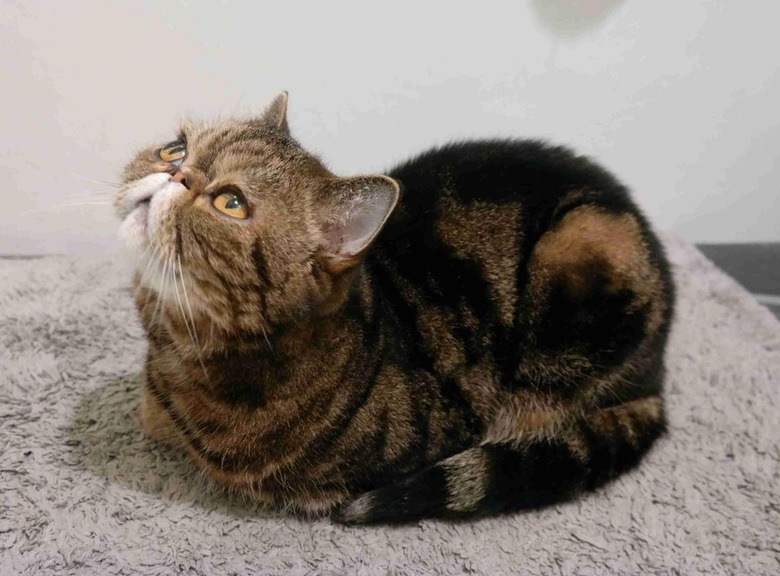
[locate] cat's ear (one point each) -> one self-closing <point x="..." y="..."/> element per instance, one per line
<point x="276" y="114"/>
<point x="352" y="212"/>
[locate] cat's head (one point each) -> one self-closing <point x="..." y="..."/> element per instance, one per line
<point x="237" y="221"/>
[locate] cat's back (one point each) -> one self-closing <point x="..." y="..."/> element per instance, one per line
<point x="480" y="224"/>
<point x="478" y="185"/>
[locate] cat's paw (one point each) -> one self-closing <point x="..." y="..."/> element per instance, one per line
<point x="155" y="422"/>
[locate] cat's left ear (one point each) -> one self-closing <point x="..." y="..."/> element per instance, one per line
<point x="352" y="212"/>
<point x="276" y="114"/>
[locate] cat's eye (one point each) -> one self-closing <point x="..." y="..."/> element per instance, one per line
<point x="231" y="204"/>
<point x="173" y="152"/>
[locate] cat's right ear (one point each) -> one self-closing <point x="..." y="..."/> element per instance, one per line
<point x="276" y="114"/>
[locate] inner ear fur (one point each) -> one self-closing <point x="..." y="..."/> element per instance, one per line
<point x="352" y="213"/>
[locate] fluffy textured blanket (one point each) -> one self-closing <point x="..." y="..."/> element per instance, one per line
<point x="82" y="491"/>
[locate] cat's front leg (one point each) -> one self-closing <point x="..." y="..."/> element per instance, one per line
<point x="156" y="423"/>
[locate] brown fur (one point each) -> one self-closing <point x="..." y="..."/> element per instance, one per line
<point x="273" y="360"/>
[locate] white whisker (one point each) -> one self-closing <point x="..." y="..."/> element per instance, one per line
<point x="193" y="338"/>
<point x="79" y="205"/>
<point x="187" y="301"/>
<point x="90" y="203"/>
<point x="150" y="260"/>
<point x="89" y="195"/>
<point x="160" y="294"/>
<point x="267" y="341"/>
<point x="56" y="207"/>
<point x="103" y="182"/>
<point x="144" y="254"/>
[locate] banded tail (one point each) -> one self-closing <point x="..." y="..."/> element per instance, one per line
<point x="505" y="477"/>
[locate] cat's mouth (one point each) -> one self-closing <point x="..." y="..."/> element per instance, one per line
<point x="142" y="205"/>
<point x="135" y="223"/>
<point x="141" y="212"/>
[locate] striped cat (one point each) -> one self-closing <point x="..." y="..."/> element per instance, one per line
<point x="480" y="331"/>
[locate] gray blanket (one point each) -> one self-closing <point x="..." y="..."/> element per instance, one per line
<point x="82" y="491"/>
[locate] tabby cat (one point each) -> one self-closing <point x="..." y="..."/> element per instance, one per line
<point x="480" y="331"/>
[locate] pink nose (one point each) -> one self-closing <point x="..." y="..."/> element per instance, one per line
<point x="180" y="178"/>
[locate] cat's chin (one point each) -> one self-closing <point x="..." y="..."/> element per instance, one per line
<point x="142" y="205"/>
<point x="133" y="230"/>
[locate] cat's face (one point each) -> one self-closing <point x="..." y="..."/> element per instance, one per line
<point x="237" y="221"/>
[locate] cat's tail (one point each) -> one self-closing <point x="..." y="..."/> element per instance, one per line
<point x="507" y="476"/>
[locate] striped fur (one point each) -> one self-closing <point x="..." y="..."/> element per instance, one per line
<point x="490" y="342"/>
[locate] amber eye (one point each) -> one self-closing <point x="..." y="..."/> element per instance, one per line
<point x="173" y="152"/>
<point x="231" y="204"/>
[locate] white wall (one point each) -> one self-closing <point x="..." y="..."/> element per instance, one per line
<point x="680" y="99"/>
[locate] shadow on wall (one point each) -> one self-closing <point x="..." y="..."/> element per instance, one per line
<point x="570" y="18"/>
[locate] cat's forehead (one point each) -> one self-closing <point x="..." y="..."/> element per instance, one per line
<point x="244" y="146"/>
<point x="220" y="134"/>
<point x="195" y="129"/>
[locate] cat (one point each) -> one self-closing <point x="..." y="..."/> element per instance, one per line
<point x="480" y="331"/>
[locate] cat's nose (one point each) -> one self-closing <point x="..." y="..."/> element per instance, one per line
<point x="180" y="178"/>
